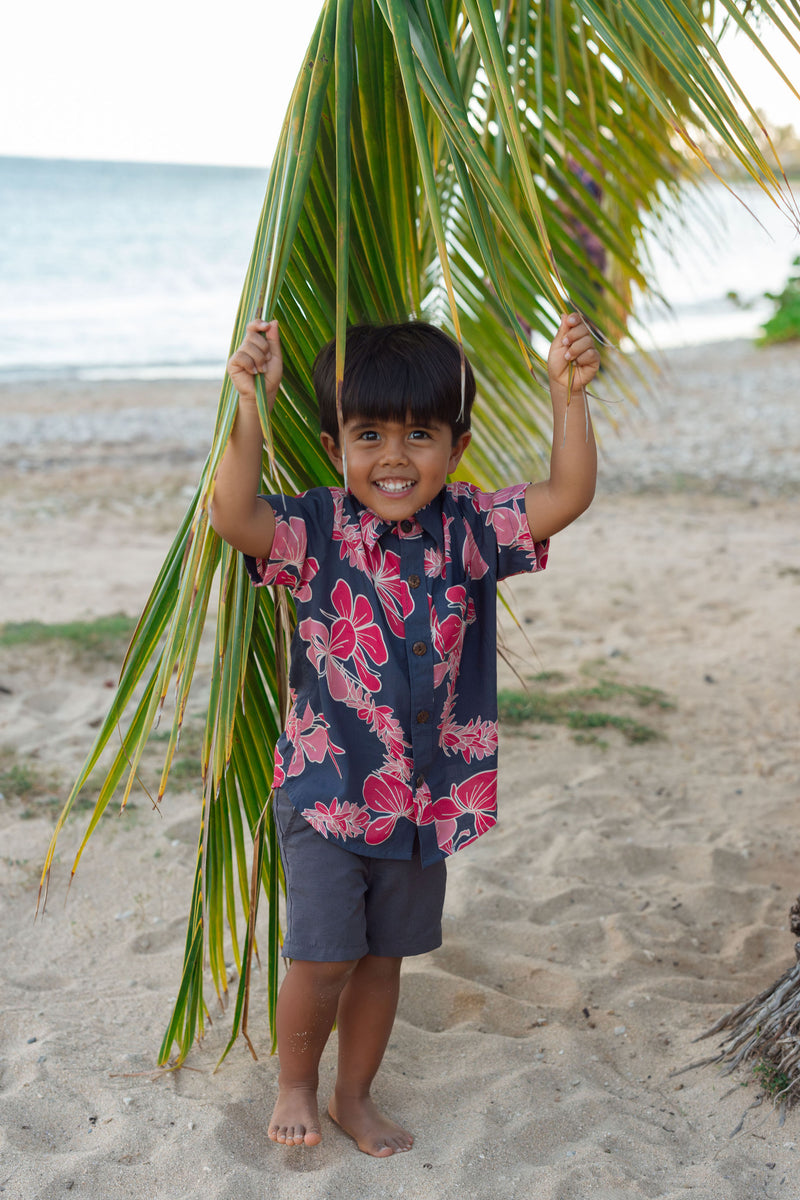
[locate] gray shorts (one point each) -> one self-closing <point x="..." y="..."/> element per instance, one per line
<point x="341" y="905"/>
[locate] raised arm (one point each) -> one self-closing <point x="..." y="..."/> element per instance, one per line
<point x="238" y="514"/>
<point x="556" y="502"/>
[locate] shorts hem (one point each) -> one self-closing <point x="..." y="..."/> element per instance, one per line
<point x="320" y="954"/>
<point x="408" y="952"/>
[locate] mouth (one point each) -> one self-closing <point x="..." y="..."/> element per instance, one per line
<point x="394" y="487"/>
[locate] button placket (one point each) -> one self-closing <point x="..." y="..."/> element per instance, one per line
<point x="420" y="657"/>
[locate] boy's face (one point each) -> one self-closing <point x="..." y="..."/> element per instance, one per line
<point x="393" y="467"/>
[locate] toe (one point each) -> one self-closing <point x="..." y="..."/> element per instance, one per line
<point x="401" y="1144"/>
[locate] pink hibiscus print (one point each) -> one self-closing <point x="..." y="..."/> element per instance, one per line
<point x="393" y="592"/>
<point x="475" y="797"/>
<point x="348" y="532"/>
<point x="436" y="560"/>
<point x="448" y="635"/>
<point x="462" y="488"/>
<point x="476" y="739"/>
<point x="423" y="808"/>
<point x="341" y="818"/>
<point x="508" y="517"/>
<point x="309" y="737"/>
<point x="391" y="798"/>
<point x="474" y="563"/>
<point x="353" y="635"/>
<point x="287" y="564"/>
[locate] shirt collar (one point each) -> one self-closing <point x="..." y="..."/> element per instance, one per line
<point x="373" y="527"/>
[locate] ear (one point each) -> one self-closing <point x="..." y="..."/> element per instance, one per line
<point x="331" y="448"/>
<point x="459" y="446"/>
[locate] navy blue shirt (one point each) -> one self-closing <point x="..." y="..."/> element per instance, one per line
<point x="393" y="726"/>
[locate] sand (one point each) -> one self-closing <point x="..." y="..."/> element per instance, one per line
<point x="632" y="893"/>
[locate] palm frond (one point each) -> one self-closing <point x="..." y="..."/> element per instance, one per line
<point x="426" y="168"/>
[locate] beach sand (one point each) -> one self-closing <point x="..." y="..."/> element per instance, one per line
<point x="631" y="894"/>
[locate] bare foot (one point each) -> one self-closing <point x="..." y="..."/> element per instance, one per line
<point x="372" y="1132"/>
<point x="295" y="1118"/>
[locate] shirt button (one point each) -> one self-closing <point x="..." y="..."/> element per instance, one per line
<point x="422" y="716"/>
<point x="414" y="581"/>
<point x="420" y="780"/>
<point x="406" y="526"/>
<point x="419" y="648"/>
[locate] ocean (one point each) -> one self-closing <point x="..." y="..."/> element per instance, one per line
<point x="133" y="271"/>
<point x="121" y="270"/>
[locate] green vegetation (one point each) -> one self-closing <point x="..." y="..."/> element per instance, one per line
<point x="784" y="324"/>
<point x="19" y="779"/>
<point x="770" y="1078"/>
<point x="33" y="785"/>
<point x="104" y="637"/>
<point x="576" y="707"/>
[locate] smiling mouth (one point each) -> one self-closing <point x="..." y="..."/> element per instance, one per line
<point x="394" y="487"/>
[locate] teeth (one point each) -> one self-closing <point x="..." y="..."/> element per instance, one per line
<point x="387" y="486"/>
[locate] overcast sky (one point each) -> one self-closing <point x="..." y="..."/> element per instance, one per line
<point x="170" y="81"/>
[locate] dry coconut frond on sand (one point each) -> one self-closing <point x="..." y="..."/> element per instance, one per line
<point x="766" y="1031"/>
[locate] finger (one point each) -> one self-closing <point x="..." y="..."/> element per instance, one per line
<point x="258" y="326"/>
<point x="272" y="335"/>
<point x="581" y="347"/>
<point x="242" y="361"/>
<point x="256" y="345"/>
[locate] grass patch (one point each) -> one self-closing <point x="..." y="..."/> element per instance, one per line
<point x="770" y="1079"/>
<point x="577" y="708"/>
<point x="103" y="637"/>
<point x="18" y="779"/>
<point x="36" y="788"/>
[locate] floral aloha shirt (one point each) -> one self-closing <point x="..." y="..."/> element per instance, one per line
<point x="393" y="725"/>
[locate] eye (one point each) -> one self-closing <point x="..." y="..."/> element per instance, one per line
<point x="419" y="434"/>
<point x="368" y="435"/>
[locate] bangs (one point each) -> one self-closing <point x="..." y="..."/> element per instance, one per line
<point x="392" y="372"/>
<point x="391" y="388"/>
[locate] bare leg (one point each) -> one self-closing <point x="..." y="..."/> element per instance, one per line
<point x="306" y="1011"/>
<point x="365" y="1017"/>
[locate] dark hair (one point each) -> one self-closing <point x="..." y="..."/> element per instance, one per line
<point x="394" y="370"/>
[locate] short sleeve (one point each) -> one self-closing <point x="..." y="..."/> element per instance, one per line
<point x="303" y="529"/>
<point x="505" y="522"/>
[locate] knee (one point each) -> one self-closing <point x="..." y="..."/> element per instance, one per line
<point x="380" y="967"/>
<point x="324" y="977"/>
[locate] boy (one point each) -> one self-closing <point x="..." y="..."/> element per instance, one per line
<point x="388" y="761"/>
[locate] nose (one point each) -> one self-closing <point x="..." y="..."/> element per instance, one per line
<point x="394" y="448"/>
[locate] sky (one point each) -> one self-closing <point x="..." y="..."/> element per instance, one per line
<point x="170" y="81"/>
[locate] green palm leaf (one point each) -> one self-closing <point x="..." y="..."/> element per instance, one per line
<point x="426" y="168"/>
